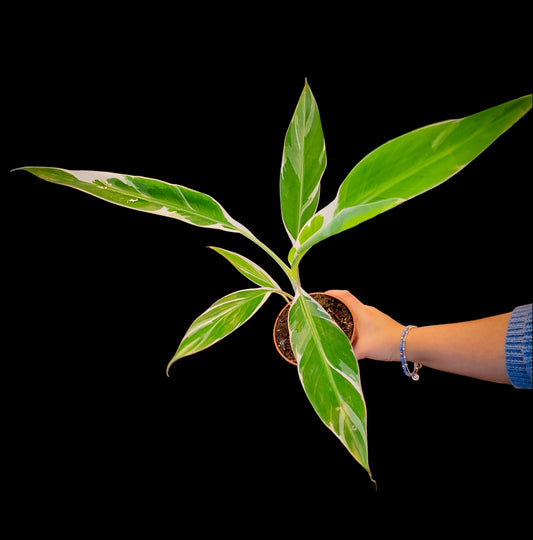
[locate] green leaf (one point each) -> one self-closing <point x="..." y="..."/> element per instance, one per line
<point x="329" y="374"/>
<point x="222" y="318"/>
<point x="145" y="194"/>
<point x="302" y="166"/>
<point x="248" y="268"/>
<point x="406" y="167"/>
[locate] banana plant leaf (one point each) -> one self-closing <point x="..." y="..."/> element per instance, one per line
<point x="145" y="194"/>
<point x="329" y="374"/>
<point x="248" y="268"/>
<point x="406" y="167"/>
<point x="222" y="318"/>
<point x="302" y="165"/>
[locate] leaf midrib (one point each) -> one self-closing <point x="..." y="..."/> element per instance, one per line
<point x="302" y="165"/>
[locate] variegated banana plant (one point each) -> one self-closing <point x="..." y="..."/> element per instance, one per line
<point x="390" y="175"/>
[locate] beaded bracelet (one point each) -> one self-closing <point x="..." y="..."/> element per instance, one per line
<point x="403" y="357"/>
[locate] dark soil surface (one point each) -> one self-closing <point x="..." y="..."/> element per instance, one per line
<point x="336" y="310"/>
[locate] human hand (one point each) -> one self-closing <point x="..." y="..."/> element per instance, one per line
<point x="377" y="335"/>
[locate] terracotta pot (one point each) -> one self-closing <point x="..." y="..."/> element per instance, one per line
<point x="337" y="310"/>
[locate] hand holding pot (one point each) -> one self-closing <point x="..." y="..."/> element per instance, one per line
<point x="376" y="335"/>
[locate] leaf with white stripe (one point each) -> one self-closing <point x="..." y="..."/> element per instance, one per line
<point x="329" y="374"/>
<point x="145" y="194"/>
<point x="248" y="268"/>
<point x="302" y="166"/>
<point x="222" y="318"/>
<point x="405" y="167"/>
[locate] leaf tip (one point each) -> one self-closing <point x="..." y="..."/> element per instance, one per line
<point x="373" y="481"/>
<point x="169" y="365"/>
<point x="21" y="169"/>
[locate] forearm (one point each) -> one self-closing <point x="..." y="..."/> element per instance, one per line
<point x="474" y="348"/>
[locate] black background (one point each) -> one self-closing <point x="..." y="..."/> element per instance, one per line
<point x="98" y="297"/>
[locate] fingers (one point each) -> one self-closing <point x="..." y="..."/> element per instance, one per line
<point x="354" y="305"/>
<point x="376" y="334"/>
<point x="345" y="296"/>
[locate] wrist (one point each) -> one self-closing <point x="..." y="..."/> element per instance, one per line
<point x="395" y="336"/>
<point x="395" y="343"/>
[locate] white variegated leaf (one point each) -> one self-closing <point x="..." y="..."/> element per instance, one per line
<point x="222" y="318"/>
<point x="248" y="268"/>
<point x="303" y="164"/>
<point x="146" y="194"/>
<point x="406" y="167"/>
<point x="329" y="374"/>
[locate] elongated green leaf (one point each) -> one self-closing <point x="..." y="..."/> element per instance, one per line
<point x="329" y="374"/>
<point x="248" y="268"/>
<point x="222" y="318"/>
<point x="302" y="166"/>
<point x="145" y="194"/>
<point x="406" y="167"/>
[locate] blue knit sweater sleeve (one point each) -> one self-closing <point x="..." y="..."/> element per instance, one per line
<point x="518" y="347"/>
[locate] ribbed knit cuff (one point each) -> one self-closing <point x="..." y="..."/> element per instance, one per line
<point x="518" y="342"/>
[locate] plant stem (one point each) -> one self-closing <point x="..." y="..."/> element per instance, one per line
<point x="288" y="297"/>
<point x="295" y="271"/>
<point x="294" y="279"/>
